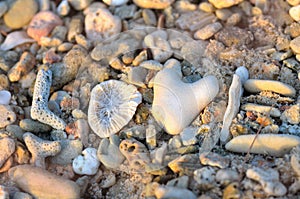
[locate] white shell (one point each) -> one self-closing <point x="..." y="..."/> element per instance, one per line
<point x="5" y="97"/>
<point x="14" y="39"/>
<point x="112" y="105"/>
<point x="87" y="163"/>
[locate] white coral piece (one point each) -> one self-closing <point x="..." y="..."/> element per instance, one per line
<point x="39" y="109"/>
<point x="112" y="105"/>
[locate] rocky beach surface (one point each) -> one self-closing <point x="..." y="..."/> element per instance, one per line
<point x="194" y="99"/>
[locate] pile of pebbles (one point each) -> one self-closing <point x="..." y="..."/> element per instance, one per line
<point x="149" y="99"/>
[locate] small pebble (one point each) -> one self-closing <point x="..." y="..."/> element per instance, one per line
<point x="101" y="24"/>
<point x="44" y="5"/>
<point x="63" y="8"/>
<point x="149" y="17"/>
<point x="204" y="177"/>
<point x="16" y="19"/>
<point x="295" y="45"/>
<point x="161" y="4"/>
<point x="64" y="47"/>
<point x="7" y="146"/>
<point x="173" y="192"/>
<point x="208" y="31"/>
<point x="80" y="4"/>
<point x="189" y="136"/>
<point x="5" y="97"/>
<point x="224" y="3"/>
<point x="274" y="112"/>
<point x="36" y="181"/>
<point x="22" y="195"/>
<point x="22" y="67"/>
<point x="4" y="192"/>
<point x="151" y="65"/>
<point x="3" y="8"/>
<point x="34" y="126"/>
<point x="87" y="163"/>
<point x="291" y="115"/>
<point x="214" y="160"/>
<point x="223" y="14"/>
<point x="42" y="24"/>
<point x="206" y="7"/>
<point x="7" y="117"/>
<point x="226" y="176"/>
<point x="115" y="2"/>
<point x="295" y="12"/>
<point x="75" y="27"/>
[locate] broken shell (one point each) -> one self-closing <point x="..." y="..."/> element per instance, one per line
<point x="112" y="105"/>
<point x="271" y="144"/>
<point x="14" y="39"/>
<point x="176" y="104"/>
<point x="257" y="85"/>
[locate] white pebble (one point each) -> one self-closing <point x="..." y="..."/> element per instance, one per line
<point x="87" y="164"/>
<point x="295" y="12"/>
<point x="5" y="97"/>
<point x="115" y="2"/>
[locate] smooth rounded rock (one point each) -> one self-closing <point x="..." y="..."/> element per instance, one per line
<point x="43" y="184"/>
<point x="42" y="24"/>
<point x="34" y="126"/>
<point x="115" y="2"/>
<point x="153" y="4"/>
<point x="272" y="144"/>
<point x="295" y="12"/>
<point x="257" y="85"/>
<point x="5" y="97"/>
<point x="20" y="13"/>
<point x="224" y="3"/>
<point x="295" y="45"/>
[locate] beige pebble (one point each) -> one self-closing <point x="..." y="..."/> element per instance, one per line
<point x="295" y="12"/>
<point x="295" y="45"/>
<point x="224" y="3"/>
<point x="161" y="4"/>
<point x="223" y="14"/>
<point x="101" y="24"/>
<point x="43" y="184"/>
<point x="274" y="112"/>
<point x="20" y="13"/>
<point x="291" y="115"/>
<point x="293" y="2"/>
<point x="257" y="85"/>
<point x="271" y="144"/>
<point x="208" y="31"/>
<point x="7" y="146"/>
<point x="206" y="7"/>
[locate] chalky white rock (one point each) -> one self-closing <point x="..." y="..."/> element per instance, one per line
<point x="5" y="97"/>
<point x="176" y="104"/>
<point x="115" y="2"/>
<point x="87" y="163"/>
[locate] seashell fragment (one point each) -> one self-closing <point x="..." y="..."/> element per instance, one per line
<point x="112" y="105"/>
<point x="14" y="39"/>
<point x="271" y="144"/>
<point x="176" y="103"/>
<point x="257" y="85"/>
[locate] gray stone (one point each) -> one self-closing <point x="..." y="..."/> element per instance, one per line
<point x="80" y="4"/>
<point x="70" y="149"/>
<point x="3" y="8"/>
<point x="34" y="126"/>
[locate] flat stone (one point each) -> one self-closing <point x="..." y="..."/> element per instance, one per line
<point x="160" y="4"/>
<point x="7" y="146"/>
<point x="115" y="2"/>
<point x="257" y="85"/>
<point x="271" y="144"/>
<point x="295" y="45"/>
<point x="43" y="184"/>
<point x="208" y="31"/>
<point x="34" y="126"/>
<point x="20" y="13"/>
